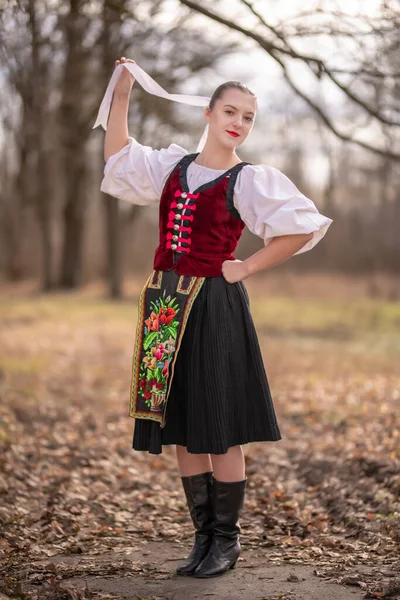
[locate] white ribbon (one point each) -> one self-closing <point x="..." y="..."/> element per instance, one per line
<point x="147" y="84"/>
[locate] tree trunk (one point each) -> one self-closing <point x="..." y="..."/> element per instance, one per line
<point x="46" y="275"/>
<point x="73" y="133"/>
<point x="39" y="150"/>
<point x="110" y="50"/>
<point x="73" y="225"/>
<point x="11" y="218"/>
<point x="71" y="266"/>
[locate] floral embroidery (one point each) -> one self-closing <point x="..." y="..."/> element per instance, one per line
<point x="159" y="343"/>
<point x="159" y="330"/>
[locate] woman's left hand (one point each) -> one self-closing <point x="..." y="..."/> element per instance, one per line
<point x="234" y="270"/>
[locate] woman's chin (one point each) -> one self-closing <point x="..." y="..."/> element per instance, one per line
<point x="231" y="144"/>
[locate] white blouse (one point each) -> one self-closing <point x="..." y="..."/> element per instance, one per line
<point x="266" y="200"/>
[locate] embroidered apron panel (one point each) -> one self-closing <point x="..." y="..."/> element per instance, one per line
<point x="165" y="303"/>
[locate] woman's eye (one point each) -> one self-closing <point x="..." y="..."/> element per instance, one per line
<point x="229" y="112"/>
<point x="250" y="119"/>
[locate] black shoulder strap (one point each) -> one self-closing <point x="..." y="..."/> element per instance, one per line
<point x="231" y="187"/>
<point x="183" y="165"/>
<point x="187" y="159"/>
<point x="184" y="162"/>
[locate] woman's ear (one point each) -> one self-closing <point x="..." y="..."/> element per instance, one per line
<point x="207" y="113"/>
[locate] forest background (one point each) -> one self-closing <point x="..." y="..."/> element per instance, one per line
<point x="327" y="78"/>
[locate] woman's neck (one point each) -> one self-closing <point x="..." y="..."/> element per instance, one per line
<point x="217" y="158"/>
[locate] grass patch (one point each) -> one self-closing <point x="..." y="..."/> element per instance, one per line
<point x="61" y="307"/>
<point x="31" y="365"/>
<point x="4" y="437"/>
<point x="283" y="315"/>
<point x="323" y="318"/>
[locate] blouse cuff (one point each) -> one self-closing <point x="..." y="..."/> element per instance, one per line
<point x="297" y="221"/>
<point x="271" y="206"/>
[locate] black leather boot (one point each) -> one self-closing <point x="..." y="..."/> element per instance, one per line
<point x="198" y="491"/>
<point x="228" y="500"/>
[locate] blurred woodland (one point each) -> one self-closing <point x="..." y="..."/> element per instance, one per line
<point x="332" y="124"/>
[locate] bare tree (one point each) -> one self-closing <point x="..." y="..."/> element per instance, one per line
<point x="74" y="131"/>
<point x="23" y="54"/>
<point x="111" y="19"/>
<point x="11" y="204"/>
<point x="43" y="197"/>
<point x="364" y="34"/>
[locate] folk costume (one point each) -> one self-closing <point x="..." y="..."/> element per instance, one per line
<point x="198" y="378"/>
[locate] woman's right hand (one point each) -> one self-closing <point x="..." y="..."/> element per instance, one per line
<point x="125" y="80"/>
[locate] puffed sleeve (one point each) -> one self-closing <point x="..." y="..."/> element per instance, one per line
<point x="271" y="205"/>
<point x="137" y="173"/>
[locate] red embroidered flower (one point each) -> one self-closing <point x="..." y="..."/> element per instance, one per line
<point x="142" y="383"/>
<point x="169" y="314"/>
<point x="153" y="322"/>
<point x="147" y="395"/>
<point x="155" y="385"/>
<point x="165" y="368"/>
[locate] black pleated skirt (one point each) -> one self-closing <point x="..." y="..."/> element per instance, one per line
<point x="219" y="395"/>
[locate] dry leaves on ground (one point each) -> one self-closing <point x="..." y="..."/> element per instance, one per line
<point x="328" y="494"/>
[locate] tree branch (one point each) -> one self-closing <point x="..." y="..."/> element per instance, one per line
<point x="273" y="50"/>
<point x="322" y="68"/>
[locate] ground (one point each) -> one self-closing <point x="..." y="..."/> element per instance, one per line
<point x="82" y="515"/>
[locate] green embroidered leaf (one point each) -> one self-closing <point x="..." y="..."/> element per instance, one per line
<point x="150" y="338"/>
<point x="172" y="303"/>
<point x="151" y="374"/>
<point x="172" y="332"/>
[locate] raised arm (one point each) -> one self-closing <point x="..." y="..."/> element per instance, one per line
<point x="117" y="135"/>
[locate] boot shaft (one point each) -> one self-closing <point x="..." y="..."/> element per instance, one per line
<point x="198" y="492"/>
<point x="228" y="502"/>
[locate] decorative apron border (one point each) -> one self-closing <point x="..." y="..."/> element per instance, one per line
<point x="166" y="299"/>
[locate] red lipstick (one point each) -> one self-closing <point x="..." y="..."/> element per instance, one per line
<point x="232" y="133"/>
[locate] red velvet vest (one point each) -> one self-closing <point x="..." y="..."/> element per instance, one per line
<point x="198" y="231"/>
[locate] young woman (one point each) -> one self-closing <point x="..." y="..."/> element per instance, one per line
<point x="198" y="378"/>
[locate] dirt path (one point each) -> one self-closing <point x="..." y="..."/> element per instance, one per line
<point x="257" y="577"/>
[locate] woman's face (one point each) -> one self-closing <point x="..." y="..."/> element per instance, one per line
<point x="232" y="118"/>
